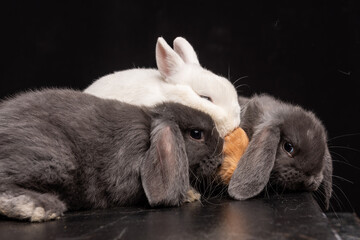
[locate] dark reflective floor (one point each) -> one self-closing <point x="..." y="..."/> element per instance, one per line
<point x="345" y="224"/>
<point x="292" y="216"/>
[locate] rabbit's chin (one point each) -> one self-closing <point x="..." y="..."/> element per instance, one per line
<point x="202" y="178"/>
<point x="295" y="180"/>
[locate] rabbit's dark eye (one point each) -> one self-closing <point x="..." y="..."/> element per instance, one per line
<point x="206" y="97"/>
<point x="289" y="148"/>
<point x="197" y="134"/>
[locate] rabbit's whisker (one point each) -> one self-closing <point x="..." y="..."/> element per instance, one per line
<point x="337" y="216"/>
<point x="241" y="85"/>
<point x="339" y="155"/>
<point x="195" y="177"/>
<point x="216" y="156"/>
<point x="207" y="200"/>
<point x="212" y="131"/>
<point x="206" y="186"/>
<point x="222" y="187"/>
<point x="337" y="200"/>
<point x="240" y="78"/>
<point x="283" y="189"/>
<point x="319" y="197"/>
<point x="344" y="135"/>
<point x="344" y="179"/>
<point x="346" y="163"/>
<point x="212" y="186"/>
<point x="216" y="148"/>
<point x="221" y="192"/>
<point x="344" y="147"/>
<point x="347" y="199"/>
<point x="245" y="105"/>
<point x="267" y="192"/>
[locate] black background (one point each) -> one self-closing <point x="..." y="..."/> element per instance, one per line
<point x="303" y="52"/>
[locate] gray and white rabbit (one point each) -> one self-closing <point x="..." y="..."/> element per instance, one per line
<point x="288" y="146"/>
<point x="65" y="150"/>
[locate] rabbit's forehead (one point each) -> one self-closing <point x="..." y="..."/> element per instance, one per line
<point x="302" y="127"/>
<point x="303" y="130"/>
<point x="308" y="138"/>
<point x="193" y="118"/>
<point x="220" y="89"/>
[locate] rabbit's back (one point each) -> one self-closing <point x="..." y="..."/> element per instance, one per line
<point x="135" y="86"/>
<point x="74" y="143"/>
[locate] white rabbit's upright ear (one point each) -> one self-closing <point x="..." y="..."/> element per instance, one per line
<point x="185" y="51"/>
<point x="167" y="60"/>
<point x="253" y="170"/>
<point x="165" y="169"/>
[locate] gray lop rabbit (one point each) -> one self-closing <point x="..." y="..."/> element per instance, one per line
<point x="65" y="150"/>
<point x="288" y="146"/>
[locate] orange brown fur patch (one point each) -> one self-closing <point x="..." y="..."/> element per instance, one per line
<point x="234" y="147"/>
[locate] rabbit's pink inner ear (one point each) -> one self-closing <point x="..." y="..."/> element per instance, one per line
<point x="166" y="156"/>
<point x="167" y="60"/>
<point x="185" y="51"/>
<point x="158" y="176"/>
<point x="164" y="172"/>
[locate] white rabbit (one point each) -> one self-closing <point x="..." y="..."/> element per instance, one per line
<point x="179" y="78"/>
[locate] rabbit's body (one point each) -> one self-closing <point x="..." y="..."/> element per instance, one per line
<point x="113" y="87"/>
<point x="288" y="146"/>
<point x="63" y="149"/>
<point x="179" y="78"/>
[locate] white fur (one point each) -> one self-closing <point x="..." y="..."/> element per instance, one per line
<point x="38" y="215"/>
<point x="21" y="207"/>
<point x="181" y="79"/>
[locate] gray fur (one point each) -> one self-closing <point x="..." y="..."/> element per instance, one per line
<point x="270" y="123"/>
<point x="64" y="149"/>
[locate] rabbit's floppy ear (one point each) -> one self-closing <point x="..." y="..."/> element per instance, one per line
<point x="254" y="168"/>
<point x="165" y="170"/>
<point x="167" y="60"/>
<point x="185" y="50"/>
<point x="327" y="181"/>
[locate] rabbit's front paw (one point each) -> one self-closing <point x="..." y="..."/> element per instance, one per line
<point x="192" y="195"/>
<point x="26" y="207"/>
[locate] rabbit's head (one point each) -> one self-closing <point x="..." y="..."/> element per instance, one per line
<point x="214" y="94"/>
<point x="288" y="148"/>
<point x="202" y="141"/>
<point x="301" y="152"/>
